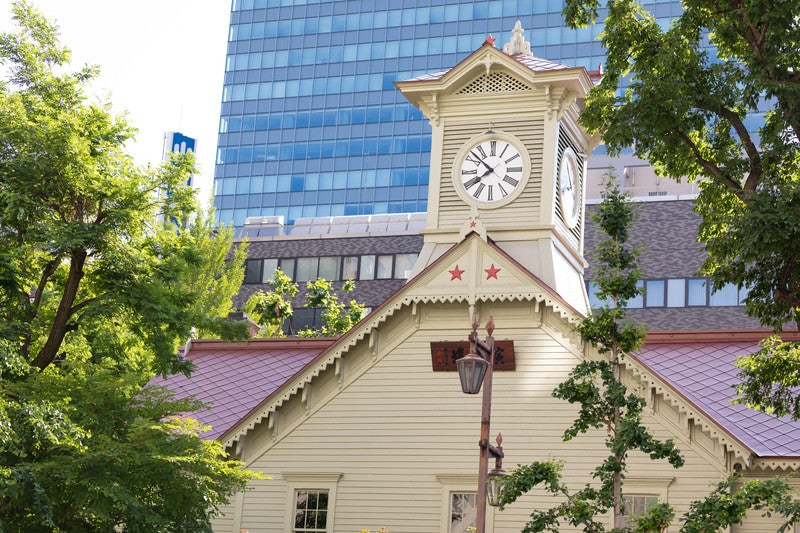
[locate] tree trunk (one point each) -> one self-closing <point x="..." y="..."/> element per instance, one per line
<point x="59" y="328"/>
<point x="617" y="475"/>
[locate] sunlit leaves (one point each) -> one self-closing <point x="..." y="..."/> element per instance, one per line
<point x="96" y="295"/>
<point x="771" y="378"/>
<point x="715" y="97"/>
<point x="272" y="308"/>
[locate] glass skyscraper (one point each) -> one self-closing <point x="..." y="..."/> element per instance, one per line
<point x="311" y="124"/>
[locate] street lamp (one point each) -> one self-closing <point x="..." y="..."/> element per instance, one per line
<point x="475" y="369"/>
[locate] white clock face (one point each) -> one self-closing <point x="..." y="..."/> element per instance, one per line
<point x="568" y="184"/>
<point x="490" y="171"/>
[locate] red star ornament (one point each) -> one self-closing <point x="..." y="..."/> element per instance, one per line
<point x="456" y="273"/>
<point x="492" y="271"/>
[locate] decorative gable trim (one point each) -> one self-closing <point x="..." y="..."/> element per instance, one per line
<point x="494" y="82"/>
<point x="734" y="454"/>
<point x="268" y="409"/>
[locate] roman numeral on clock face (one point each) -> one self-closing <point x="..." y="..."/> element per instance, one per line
<point x="474" y="159"/>
<point x="511" y="181"/>
<point x="479" y="190"/>
<point x="469" y="183"/>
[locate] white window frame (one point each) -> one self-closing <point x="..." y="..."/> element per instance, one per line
<point x="458" y="483"/>
<point x="657" y="486"/>
<point x="300" y="481"/>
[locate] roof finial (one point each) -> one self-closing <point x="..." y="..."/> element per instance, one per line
<point x="489" y="40"/>
<point x="517" y="45"/>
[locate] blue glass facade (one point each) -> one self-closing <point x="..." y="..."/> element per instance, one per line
<point x="311" y="123"/>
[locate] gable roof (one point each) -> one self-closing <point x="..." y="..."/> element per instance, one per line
<point x="700" y="366"/>
<point x="436" y="283"/>
<point x="233" y="378"/>
<point x="527" y="67"/>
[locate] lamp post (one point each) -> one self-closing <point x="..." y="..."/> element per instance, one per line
<point x="475" y="369"/>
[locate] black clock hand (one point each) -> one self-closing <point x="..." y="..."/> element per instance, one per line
<point x="487" y="172"/>
<point x="482" y="162"/>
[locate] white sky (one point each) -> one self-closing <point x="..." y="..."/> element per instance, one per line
<point x="162" y="61"/>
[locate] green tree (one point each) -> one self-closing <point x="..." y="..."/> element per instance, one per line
<point x="95" y="298"/>
<point x="605" y="403"/>
<point x="595" y="386"/>
<point x="691" y="94"/>
<point x="337" y="317"/>
<point x="270" y="309"/>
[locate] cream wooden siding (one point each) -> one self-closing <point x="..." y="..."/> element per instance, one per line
<point x="522" y="212"/>
<point x="394" y="425"/>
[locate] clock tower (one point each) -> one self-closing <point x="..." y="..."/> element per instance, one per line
<point x="508" y="160"/>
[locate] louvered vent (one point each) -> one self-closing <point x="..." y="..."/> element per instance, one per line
<point x="565" y="140"/>
<point x="495" y="82"/>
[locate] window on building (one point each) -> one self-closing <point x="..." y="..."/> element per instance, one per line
<point x="463" y="510"/>
<point x="304" y="318"/>
<point x="385" y="264"/>
<point x="637" y="302"/>
<point x="676" y="293"/>
<point x="312" y="499"/>
<point x="727" y="295"/>
<point x="350" y="267"/>
<point x="329" y="268"/>
<point x="306" y="269"/>
<point x="310" y="511"/>
<point x="252" y="270"/>
<point x="654" y="292"/>
<point x="591" y="291"/>
<point x="270" y="266"/>
<point x="635" y="506"/>
<point x="367" y="270"/>
<point x="403" y="264"/>
<point x="287" y="267"/>
<point x="743" y="292"/>
<point x="697" y="293"/>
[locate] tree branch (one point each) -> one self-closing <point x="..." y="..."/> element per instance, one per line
<point x="712" y="168"/>
<point x="750" y="148"/>
<point x="59" y="328"/>
<point x="756" y="38"/>
<point x="47" y="273"/>
<point x="82" y="305"/>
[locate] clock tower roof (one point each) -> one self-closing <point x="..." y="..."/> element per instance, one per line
<point x="516" y="56"/>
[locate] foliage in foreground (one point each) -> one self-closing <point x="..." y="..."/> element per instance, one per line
<point x="271" y="309"/>
<point x="105" y="268"/>
<point x="690" y="109"/>
<point x="604" y="402"/>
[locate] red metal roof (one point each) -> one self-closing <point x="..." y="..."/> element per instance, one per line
<point x="537" y="64"/>
<point x="233" y="378"/>
<point x="700" y="366"/>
